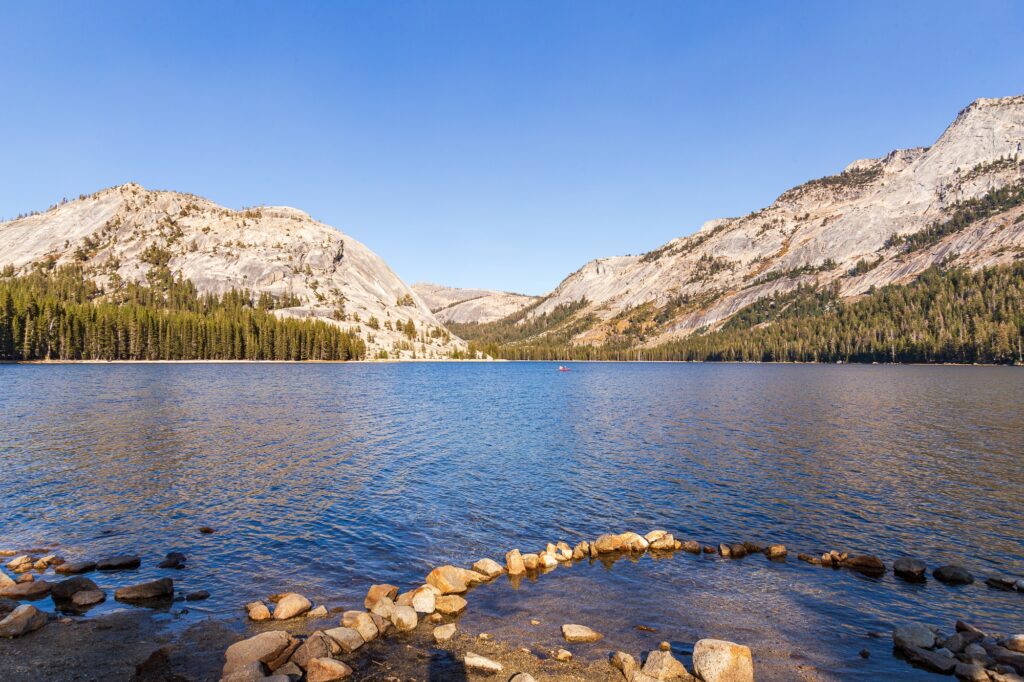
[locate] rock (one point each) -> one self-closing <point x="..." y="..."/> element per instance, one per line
<point x="47" y="561"/>
<point x="661" y="665"/>
<point x="864" y="653"/>
<point x="1000" y="582"/>
<point x="36" y="589"/>
<point x="608" y="543"/>
<point x="563" y="655"/>
<point x="123" y="562"/>
<point x="564" y="552"/>
<point x="75" y="567"/>
<point x="5" y="580"/>
<point x="327" y="670"/>
<point x="1015" y="643"/>
<point x="691" y="546"/>
<point x="664" y="543"/>
<point x="531" y="561"/>
<point x="21" y="621"/>
<point x="424" y="600"/>
<point x="290" y="605"/>
<point x="173" y="560"/>
<point x="961" y="626"/>
<point x="633" y="542"/>
<point x="959" y="641"/>
<point x="258" y="611"/>
<point x="514" y="563"/>
<point x="737" y="550"/>
<point x="547" y="560"/>
<point x="522" y="677"/>
<point x="404" y="618"/>
<point x="442" y="633"/>
<point x="622" y="661"/>
<point x="205" y="530"/>
<point x="289" y="671"/>
<point x="480" y="664"/>
<point x="25" y="578"/>
<point x="86" y="598"/>
<point x="970" y="672"/>
<point x="716" y="660"/>
<point x="384" y="608"/>
<point x="913" y="635"/>
<point x="724" y="549"/>
<point x="580" y="551"/>
<point x="654" y="535"/>
<point x="317" y="645"/>
<point x="65" y="589"/>
<point x="162" y="589"/>
<point x="974" y="650"/>
<point x="450" y="604"/>
<point x="262" y="648"/>
<point x="488" y="567"/>
<point x="318" y="612"/>
<point x="347" y="639"/>
<point x="374" y="594"/>
<point x="200" y="595"/>
<point x="1019" y="585"/>
<point x="20" y="563"/>
<point x="249" y="672"/>
<point x="953" y="575"/>
<point x="929" y="660"/>
<point x="708" y="549"/>
<point x="753" y="547"/>
<point x="776" y="552"/>
<point x="579" y="633"/>
<point x="362" y="623"/>
<point x="910" y="570"/>
<point x="452" y="579"/>
<point x="864" y="563"/>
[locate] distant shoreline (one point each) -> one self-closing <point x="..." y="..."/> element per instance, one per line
<point x="489" y="360"/>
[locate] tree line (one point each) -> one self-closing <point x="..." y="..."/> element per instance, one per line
<point x="63" y="314"/>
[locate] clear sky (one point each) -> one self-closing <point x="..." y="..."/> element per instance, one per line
<point x="484" y="144"/>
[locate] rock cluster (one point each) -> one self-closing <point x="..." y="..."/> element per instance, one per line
<point x="714" y="660"/>
<point x="969" y="652"/>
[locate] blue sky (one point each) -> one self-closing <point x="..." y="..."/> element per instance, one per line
<point x="485" y="144"/>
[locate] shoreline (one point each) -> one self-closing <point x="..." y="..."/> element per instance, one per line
<point x="396" y="361"/>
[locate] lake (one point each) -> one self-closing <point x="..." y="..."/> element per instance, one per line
<point x="325" y="478"/>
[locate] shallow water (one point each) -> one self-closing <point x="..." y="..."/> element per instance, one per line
<point x="325" y="478"/>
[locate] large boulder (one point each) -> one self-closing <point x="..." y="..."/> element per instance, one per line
<point x="716" y="660"/>
<point x="424" y="599"/>
<point x="633" y="542"/>
<point x="866" y="564"/>
<point x="404" y="618"/>
<point x="450" y="604"/>
<point x="911" y="570"/>
<point x="86" y="598"/>
<point x="265" y="647"/>
<point x="317" y="645"/>
<point x="290" y="605"/>
<point x="607" y="543"/>
<point x="327" y="670"/>
<point x="452" y="579"/>
<point x="579" y="633"/>
<point x="65" y="589"/>
<point x="929" y="660"/>
<point x="21" y="621"/>
<point x="374" y="594"/>
<point x="162" y="589"/>
<point x="953" y="575"/>
<point x="362" y="622"/>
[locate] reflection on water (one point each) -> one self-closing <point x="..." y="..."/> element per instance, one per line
<point x="324" y="478"/>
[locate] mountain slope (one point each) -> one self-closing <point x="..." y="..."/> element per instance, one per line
<point x="311" y="269"/>
<point x="849" y="229"/>
<point x="454" y="305"/>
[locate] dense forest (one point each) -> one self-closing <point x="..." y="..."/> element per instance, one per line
<point x="61" y="314"/>
<point x="947" y="315"/>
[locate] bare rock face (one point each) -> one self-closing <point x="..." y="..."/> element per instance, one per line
<point x="278" y="251"/>
<point x="715" y="660"/>
<point x="450" y="304"/>
<point x="815" y="233"/>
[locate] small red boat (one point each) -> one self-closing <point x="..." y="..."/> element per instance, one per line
<point x="562" y="368"/>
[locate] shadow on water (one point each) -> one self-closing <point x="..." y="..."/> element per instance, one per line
<point x="445" y="667"/>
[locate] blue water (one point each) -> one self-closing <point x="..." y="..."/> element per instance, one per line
<point x="325" y="478"/>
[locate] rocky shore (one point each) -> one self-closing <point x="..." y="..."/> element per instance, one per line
<point x="415" y="633"/>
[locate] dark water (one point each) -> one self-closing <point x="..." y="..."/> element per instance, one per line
<point x="325" y="478"/>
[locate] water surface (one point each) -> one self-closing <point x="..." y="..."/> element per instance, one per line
<point x="325" y="478"/>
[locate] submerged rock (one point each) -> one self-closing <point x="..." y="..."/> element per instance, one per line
<point x="1000" y="582"/>
<point x="290" y="605"/>
<point x="21" y="621"/>
<point x="124" y="562"/>
<point x="579" y="633"/>
<point x="716" y="660"/>
<point x="865" y="563"/>
<point x="173" y="560"/>
<point x="442" y="633"/>
<point x="480" y="664"/>
<point x="154" y="590"/>
<point x="953" y="574"/>
<point x="910" y="570"/>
